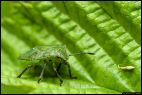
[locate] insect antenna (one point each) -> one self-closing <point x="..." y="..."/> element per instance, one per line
<point x="81" y="53"/>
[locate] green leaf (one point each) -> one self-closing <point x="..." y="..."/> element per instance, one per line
<point x="112" y="33"/>
<point x="128" y="14"/>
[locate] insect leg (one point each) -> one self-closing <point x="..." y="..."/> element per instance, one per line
<point x="58" y="68"/>
<point x="29" y="66"/>
<point x="69" y="69"/>
<point x="44" y="65"/>
<point x="61" y="80"/>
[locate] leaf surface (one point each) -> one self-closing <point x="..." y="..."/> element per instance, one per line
<point x="81" y="26"/>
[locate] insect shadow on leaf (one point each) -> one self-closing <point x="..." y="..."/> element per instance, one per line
<point x="49" y="55"/>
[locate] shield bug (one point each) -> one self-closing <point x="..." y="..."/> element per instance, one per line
<point x="126" y="67"/>
<point x="55" y="55"/>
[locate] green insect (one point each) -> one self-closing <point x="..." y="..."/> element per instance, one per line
<point x="126" y="67"/>
<point x="55" y="55"/>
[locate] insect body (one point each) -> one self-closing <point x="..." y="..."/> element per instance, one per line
<point x="45" y="53"/>
<point x="126" y="67"/>
<point x="48" y="55"/>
